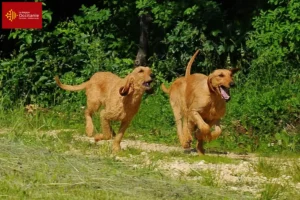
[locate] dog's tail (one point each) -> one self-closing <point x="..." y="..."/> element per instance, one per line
<point x="165" y="89"/>
<point x="70" y="87"/>
<point x="188" y="68"/>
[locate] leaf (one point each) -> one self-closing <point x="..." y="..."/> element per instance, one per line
<point x="221" y="49"/>
<point x="28" y="39"/>
<point x="42" y="78"/>
<point x="215" y="32"/>
<point x="47" y="15"/>
<point x="5" y="63"/>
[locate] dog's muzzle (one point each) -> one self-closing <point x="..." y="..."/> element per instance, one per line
<point x="149" y="89"/>
<point x="225" y="93"/>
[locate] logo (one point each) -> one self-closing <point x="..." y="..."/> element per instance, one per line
<point x="21" y="15"/>
<point x="11" y="15"/>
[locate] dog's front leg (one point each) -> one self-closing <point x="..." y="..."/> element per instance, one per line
<point x="217" y="132"/>
<point x="117" y="141"/>
<point x="107" y="131"/>
<point x="202" y="126"/>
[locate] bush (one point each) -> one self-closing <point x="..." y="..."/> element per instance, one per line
<point x="72" y="47"/>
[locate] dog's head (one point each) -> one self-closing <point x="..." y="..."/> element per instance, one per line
<point x="221" y="80"/>
<point x="140" y="78"/>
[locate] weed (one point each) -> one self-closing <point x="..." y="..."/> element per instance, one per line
<point x="207" y="177"/>
<point x="268" y="168"/>
<point x="130" y="152"/>
<point x="294" y="171"/>
<point x="210" y="159"/>
<point x="271" y="191"/>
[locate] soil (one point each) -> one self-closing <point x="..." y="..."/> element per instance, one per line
<point x="240" y="175"/>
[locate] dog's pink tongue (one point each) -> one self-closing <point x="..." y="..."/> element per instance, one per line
<point x="224" y="94"/>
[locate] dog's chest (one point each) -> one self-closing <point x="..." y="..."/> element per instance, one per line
<point x="214" y="111"/>
<point x="127" y="109"/>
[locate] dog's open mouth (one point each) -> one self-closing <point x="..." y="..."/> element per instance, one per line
<point x="225" y="93"/>
<point x="147" y="84"/>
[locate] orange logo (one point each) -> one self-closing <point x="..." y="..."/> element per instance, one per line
<point x="11" y="15"/>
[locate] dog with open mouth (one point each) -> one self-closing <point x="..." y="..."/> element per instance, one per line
<point x="206" y="98"/>
<point x="198" y="103"/>
<point x="119" y="97"/>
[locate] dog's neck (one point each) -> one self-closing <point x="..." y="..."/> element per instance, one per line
<point x="136" y="92"/>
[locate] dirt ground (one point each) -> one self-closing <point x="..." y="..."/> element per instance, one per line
<point x="237" y="176"/>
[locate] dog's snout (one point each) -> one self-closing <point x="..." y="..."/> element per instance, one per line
<point x="152" y="76"/>
<point x="232" y="84"/>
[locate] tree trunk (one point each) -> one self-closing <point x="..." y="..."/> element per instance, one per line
<point x="141" y="57"/>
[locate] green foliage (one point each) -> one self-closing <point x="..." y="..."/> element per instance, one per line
<point x="103" y="37"/>
<point x="72" y="46"/>
<point x="155" y="122"/>
<point x="264" y="117"/>
<point x="276" y="41"/>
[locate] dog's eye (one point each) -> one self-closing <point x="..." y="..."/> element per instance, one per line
<point x="141" y="71"/>
<point x="221" y="75"/>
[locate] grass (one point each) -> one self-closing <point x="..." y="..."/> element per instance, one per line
<point x="35" y="166"/>
<point x="294" y="171"/>
<point x="271" y="191"/>
<point x="41" y="159"/>
<point x="268" y="168"/>
<point x="207" y="177"/>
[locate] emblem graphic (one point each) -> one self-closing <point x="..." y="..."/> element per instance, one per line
<point x="11" y="15"/>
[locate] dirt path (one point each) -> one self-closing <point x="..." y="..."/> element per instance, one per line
<point x="239" y="175"/>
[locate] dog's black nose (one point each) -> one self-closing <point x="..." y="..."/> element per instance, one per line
<point x="232" y="84"/>
<point x="152" y="76"/>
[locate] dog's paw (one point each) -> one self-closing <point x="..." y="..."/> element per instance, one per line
<point x="186" y="144"/>
<point x="98" y="137"/>
<point x="89" y="131"/>
<point x="116" y="148"/>
<point x="205" y="129"/>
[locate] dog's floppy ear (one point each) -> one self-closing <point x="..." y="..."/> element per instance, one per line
<point x="234" y="70"/>
<point x="124" y="90"/>
<point x="209" y="83"/>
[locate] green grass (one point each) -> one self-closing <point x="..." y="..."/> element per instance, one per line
<point x="294" y="171"/>
<point x="271" y="191"/>
<point x="269" y="168"/>
<point x="41" y="159"/>
<point x="207" y="177"/>
<point x="35" y="166"/>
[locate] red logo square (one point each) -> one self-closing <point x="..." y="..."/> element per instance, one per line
<point x="21" y="15"/>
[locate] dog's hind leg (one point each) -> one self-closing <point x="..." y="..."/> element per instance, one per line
<point x="200" y="149"/>
<point x="188" y="129"/>
<point x="181" y="125"/>
<point x="92" y="107"/>
<point x="178" y="119"/>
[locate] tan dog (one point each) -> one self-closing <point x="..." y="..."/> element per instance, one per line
<point x="121" y="98"/>
<point x="178" y="104"/>
<point x="202" y="104"/>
